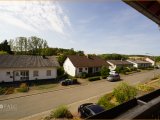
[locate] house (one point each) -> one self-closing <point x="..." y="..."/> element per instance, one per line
<point x="27" y="67"/>
<point x="140" y="63"/>
<point x="74" y="65"/>
<point x="118" y="63"/>
<point x="150" y="60"/>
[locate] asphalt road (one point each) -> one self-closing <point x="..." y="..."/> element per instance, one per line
<point x="25" y="106"/>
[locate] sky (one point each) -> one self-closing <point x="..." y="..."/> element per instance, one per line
<point x="95" y="27"/>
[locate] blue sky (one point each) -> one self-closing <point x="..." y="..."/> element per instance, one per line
<point x="97" y="27"/>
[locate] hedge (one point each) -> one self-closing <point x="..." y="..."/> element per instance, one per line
<point x="93" y="78"/>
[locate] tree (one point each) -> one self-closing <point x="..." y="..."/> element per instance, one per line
<point x="104" y="71"/>
<point x="61" y="59"/>
<point x="32" y="45"/>
<point x="4" y="46"/>
<point x="113" y="56"/>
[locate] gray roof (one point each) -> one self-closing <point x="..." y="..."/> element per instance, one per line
<point x="27" y="61"/>
<point x="119" y="62"/>
<point x="140" y="61"/>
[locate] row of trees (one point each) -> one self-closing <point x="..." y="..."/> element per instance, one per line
<point x="35" y="46"/>
<point x="32" y="45"/>
<point x="113" y="56"/>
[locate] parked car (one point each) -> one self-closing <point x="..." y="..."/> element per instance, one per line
<point x="89" y="109"/>
<point x="113" y="77"/>
<point x="68" y="82"/>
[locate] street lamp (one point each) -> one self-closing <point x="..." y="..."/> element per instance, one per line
<point x="153" y="64"/>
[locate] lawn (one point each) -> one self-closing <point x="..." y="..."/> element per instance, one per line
<point x="155" y="83"/>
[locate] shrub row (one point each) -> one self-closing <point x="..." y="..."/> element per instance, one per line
<point x="6" y="90"/>
<point x="104" y="101"/>
<point x="93" y="78"/>
<point x="144" y="87"/>
<point x="23" y="88"/>
<point x="2" y="90"/>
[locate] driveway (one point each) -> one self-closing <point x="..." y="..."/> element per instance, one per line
<point x="25" y="106"/>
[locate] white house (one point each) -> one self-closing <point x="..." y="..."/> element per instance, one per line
<point x="74" y="65"/>
<point x="150" y="60"/>
<point x="118" y="63"/>
<point x="25" y="67"/>
<point x="140" y="63"/>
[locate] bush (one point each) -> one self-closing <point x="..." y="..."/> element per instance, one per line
<point x="61" y="112"/>
<point x="2" y="90"/>
<point x="104" y="77"/>
<point x="60" y="71"/>
<point x="10" y="90"/>
<point x="104" y="71"/>
<point x="144" y="87"/>
<point x="23" y="88"/>
<point x="133" y="69"/>
<point x="83" y="75"/>
<point x="124" y="92"/>
<point x="93" y="78"/>
<point x="104" y="101"/>
<point x="75" y="81"/>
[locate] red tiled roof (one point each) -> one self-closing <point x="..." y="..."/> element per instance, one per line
<point x="84" y="61"/>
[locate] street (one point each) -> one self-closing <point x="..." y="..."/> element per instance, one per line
<point x="25" y="106"/>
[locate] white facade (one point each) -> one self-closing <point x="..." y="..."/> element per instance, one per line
<point x="70" y="69"/>
<point x="21" y="74"/>
<point x="112" y="66"/>
<point x="140" y="65"/>
<point x="151" y="61"/>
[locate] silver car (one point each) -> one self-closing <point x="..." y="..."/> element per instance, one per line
<point x="113" y="77"/>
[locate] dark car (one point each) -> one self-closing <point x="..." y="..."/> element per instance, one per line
<point x="113" y="77"/>
<point x="68" y="82"/>
<point x="89" y="109"/>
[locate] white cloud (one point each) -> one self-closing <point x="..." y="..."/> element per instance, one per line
<point x="35" y="15"/>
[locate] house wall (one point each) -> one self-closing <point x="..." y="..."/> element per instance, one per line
<point x="113" y="66"/>
<point x="42" y="73"/>
<point x="145" y="65"/>
<point x="151" y="61"/>
<point x="84" y="69"/>
<point x="69" y="67"/>
<point x="124" y="65"/>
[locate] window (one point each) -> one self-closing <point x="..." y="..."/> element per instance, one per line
<point x="48" y="72"/>
<point x="35" y="73"/>
<point x="96" y="68"/>
<point x="80" y="69"/>
<point x="7" y="73"/>
<point x="17" y="73"/>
